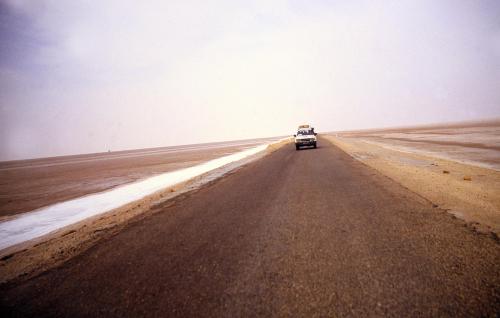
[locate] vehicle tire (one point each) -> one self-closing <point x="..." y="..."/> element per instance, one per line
<point x="314" y="145"/>
<point x="297" y="147"/>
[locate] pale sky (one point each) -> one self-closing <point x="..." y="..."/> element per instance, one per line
<point x="88" y="76"/>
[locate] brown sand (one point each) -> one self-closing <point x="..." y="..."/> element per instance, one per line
<point x="30" y="258"/>
<point x="469" y="192"/>
<point x="472" y="143"/>
<point x="430" y="127"/>
<point x="30" y="184"/>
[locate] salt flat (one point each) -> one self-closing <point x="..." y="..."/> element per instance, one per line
<point x="26" y="185"/>
<point x="455" y="166"/>
<point x="474" y="143"/>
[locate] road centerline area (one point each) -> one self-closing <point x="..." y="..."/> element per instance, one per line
<point x="299" y="233"/>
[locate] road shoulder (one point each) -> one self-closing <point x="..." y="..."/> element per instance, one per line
<point x="31" y="258"/>
<point x="468" y="192"/>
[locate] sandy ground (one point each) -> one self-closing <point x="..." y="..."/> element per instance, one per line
<point x="473" y="143"/>
<point x="30" y="184"/>
<point x="456" y="168"/>
<point x="310" y="233"/>
<point x="30" y="258"/>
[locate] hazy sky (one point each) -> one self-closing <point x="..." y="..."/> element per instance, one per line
<point x="87" y="76"/>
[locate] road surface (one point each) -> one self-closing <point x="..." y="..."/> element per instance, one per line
<point x="298" y="233"/>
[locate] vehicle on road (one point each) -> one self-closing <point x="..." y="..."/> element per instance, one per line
<point x="305" y="137"/>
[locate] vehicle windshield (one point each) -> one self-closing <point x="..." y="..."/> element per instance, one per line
<point x="304" y="132"/>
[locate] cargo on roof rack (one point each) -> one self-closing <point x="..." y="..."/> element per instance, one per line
<point x="305" y="137"/>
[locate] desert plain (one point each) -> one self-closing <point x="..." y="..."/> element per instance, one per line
<point x="455" y="166"/>
<point x="26" y="185"/>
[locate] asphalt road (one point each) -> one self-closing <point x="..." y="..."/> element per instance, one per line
<point x="298" y="233"/>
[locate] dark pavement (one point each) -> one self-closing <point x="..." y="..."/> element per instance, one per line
<point x="298" y="233"/>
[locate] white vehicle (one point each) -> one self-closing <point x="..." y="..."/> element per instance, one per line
<point x="305" y="137"/>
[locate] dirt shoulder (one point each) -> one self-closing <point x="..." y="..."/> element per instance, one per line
<point x="33" y="257"/>
<point x="310" y="233"/>
<point x="27" y="185"/>
<point x="468" y="192"/>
